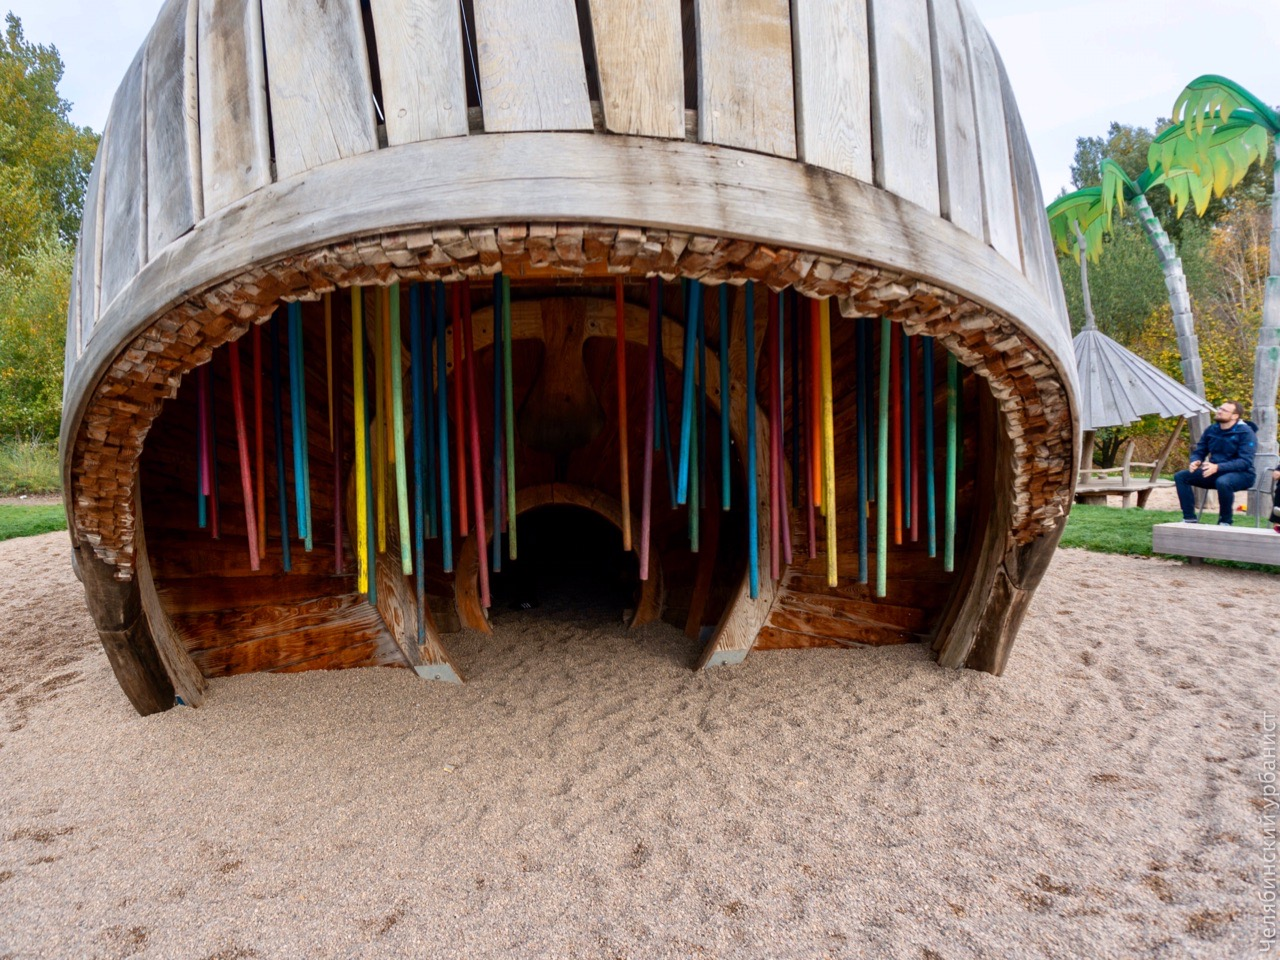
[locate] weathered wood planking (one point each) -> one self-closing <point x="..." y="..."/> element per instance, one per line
<point x="745" y="79"/>
<point x="420" y="62"/>
<point x="993" y="140"/>
<point x="902" y="108"/>
<point x="959" y="176"/>
<point x="89" y="251"/>
<point x="71" y="345"/>
<point x="173" y="151"/>
<point x="833" y="85"/>
<point x="532" y="75"/>
<point x="640" y="59"/>
<point x="235" y="146"/>
<point x="318" y="81"/>
<point x="124" y="182"/>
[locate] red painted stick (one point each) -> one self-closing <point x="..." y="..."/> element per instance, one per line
<point x="646" y="508"/>
<point x="242" y="444"/>
<point x="779" y="449"/>
<point x="261" y="473"/>
<point x="477" y="487"/>
<point x="806" y="371"/>
<point x="895" y="430"/>
<point x="815" y="405"/>
<point x="775" y="483"/>
<point x="460" y="436"/>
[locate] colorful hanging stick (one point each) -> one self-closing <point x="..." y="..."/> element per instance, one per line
<point x="694" y="514"/>
<point x="949" y="516"/>
<point x="422" y="320"/>
<point x="328" y="361"/>
<point x="895" y="436"/>
<point x="418" y="360"/>
<point x="298" y="420"/>
<point x="883" y="504"/>
<point x="392" y="361"/>
<point x="809" y="372"/>
<point x="930" y="493"/>
<point x="651" y="368"/>
<point x="259" y="460"/>
<point x="339" y="501"/>
<point x="815" y="406"/>
<point x="371" y="432"/>
<point x="362" y="453"/>
<point x="753" y="523"/>
<point x="277" y="398"/>
<point x="726" y="396"/>
<point x="396" y="415"/>
<point x="775" y="476"/>
<point x="509" y="416"/>
<point x="780" y="449"/>
<point x="624" y="468"/>
<point x="455" y="307"/>
<point x="701" y="448"/>
<point x="905" y="442"/>
<point x="202" y="444"/>
<point x="242" y="447"/>
<point x="378" y="442"/>
<point x="473" y="421"/>
<point x="442" y="423"/>
<point x="211" y="438"/>
<point x="828" y="446"/>
<point x="498" y="431"/>
<point x="913" y="450"/>
<point x="863" y="400"/>
<point x="692" y="288"/>
<point x="664" y="416"/>
<point x="797" y="418"/>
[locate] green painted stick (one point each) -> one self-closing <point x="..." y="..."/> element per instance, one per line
<point x="397" y="431"/>
<point x="510" y="419"/>
<point x="883" y="504"/>
<point x="949" y="520"/>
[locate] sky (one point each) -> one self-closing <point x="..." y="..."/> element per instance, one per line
<point x="1075" y="66"/>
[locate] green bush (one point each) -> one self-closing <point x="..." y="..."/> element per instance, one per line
<point x="29" y="466"/>
<point x="33" y="320"/>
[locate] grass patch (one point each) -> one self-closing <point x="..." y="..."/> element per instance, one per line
<point x="29" y="466"/>
<point x="29" y="521"/>
<point x="1128" y="531"/>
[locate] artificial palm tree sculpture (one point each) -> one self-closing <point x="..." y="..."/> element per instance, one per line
<point x="1221" y="129"/>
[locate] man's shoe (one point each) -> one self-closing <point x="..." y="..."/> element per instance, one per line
<point x="1190" y="520"/>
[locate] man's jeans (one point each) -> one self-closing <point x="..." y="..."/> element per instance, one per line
<point x="1225" y="483"/>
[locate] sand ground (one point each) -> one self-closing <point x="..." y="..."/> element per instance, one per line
<point x="586" y="794"/>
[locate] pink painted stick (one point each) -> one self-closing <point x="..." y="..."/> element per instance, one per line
<point x="473" y="416"/>
<point x="242" y="443"/>
<point x="780" y="450"/>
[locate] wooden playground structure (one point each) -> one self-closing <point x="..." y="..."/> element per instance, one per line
<point x="359" y="285"/>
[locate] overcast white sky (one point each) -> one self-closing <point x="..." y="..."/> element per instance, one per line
<point x="1075" y="66"/>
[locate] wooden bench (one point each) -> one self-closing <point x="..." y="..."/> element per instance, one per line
<point x="1132" y="478"/>
<point x="1202" y="540"/>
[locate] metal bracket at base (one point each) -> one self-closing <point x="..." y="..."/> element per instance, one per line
<point x="726" y="658"/>
<point x="437" y="671"/>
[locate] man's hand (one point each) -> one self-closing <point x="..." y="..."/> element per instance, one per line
<point x="1275" y="474"/>
<point x="1194" y="466"/>
<point x="1210" y="469"/>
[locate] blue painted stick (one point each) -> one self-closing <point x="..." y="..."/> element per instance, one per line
<point x="496" y="557"/>
<point x="428" y="328"/>
<point x="662" y="413"/>
<point x="753" y="523"/>
<point x="202" y="447"/>
<point x="277" y="396"/>
<point x="930" y="490"/>
<point x="686" y="394"/>
<point x="726" y="397"/>
<point x="651" y="367"/>
<point x="863" y="396"/>
<point x="417" y="360"/>
<point x="442" y="423"/>
<point x="701" y="452"/>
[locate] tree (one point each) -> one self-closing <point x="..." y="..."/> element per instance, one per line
<point x="1226" y="130"/>
<point x="44" y="158"/>
<point x="33" y="322"/>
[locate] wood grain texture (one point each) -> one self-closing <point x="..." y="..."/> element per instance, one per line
<point x="745" y="78"/>
<point x="235" y="146"/>
<point x="420" y="62"/>
<point x="998" y="201"/>
<point x="124" y="185"/>
<point x="1247" y="544"/>
<point x="318" y="81"/>
<point x="89" y="250"/>
<point x="833" y="85"/>
<point x="173" y="157"/>
<point x="902" y="109"/>
<point x="640" y="59"/>
<point x="532" y="75"/>
<point x="959" y="176"/>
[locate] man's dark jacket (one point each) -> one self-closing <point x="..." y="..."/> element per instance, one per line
<point x="1232" y="450"/>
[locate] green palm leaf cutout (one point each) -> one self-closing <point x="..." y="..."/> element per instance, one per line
<point x="1086" y="208"/>
<point x="1200" y="166"/>
<point x="1212" y="99"/>
<point x="1117" y="188"/>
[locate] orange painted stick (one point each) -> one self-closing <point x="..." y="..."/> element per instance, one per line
<point x="473" y="421"/>
<point x="623" y="466"/>
<point x="815" y="406"/>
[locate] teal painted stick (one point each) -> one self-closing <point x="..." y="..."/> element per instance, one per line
<point x="883" y="504"/>
<point x="510" y="421"/>
<point x="949" y="518"/>
<point x="753" y="522"/>
<point x="396" y="413"/>
<point x="726" y="397"/>
<point x="298" y="416"/>
<point x="930" y="483"/>
<point x="442" y="423"/>
<point x="686" y="398"/>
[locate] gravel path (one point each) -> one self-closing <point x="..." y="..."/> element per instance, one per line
<point x="586" y="795"/>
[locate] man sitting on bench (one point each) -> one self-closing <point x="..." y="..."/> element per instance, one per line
<point x="1222" y="461"/>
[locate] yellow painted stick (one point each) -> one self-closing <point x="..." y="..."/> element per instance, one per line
<point x="397" y="430"/>
<point x="362" y="489"/>
<point x="328" y="360"/>
<point x="828" y="445"/>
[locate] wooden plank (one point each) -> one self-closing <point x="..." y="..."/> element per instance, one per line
<point x="173" y="147"/>
<point x="420" y="63"/>
<point x="1033" y="224"/>
<point x="833" y="86"/>
<point x="89" y="250"/>
<point x="186" y="595"/>
<point x="124" y="181"/>
<point x="235" y="147"/>
<point x="999" y="215"/>
<point x="640" y="59"/>
<point x="532" y="75"/>
<point x="1246" y="544"/>
<point x="959" y="177"/>
<point x="318" y="81"/>
<point x="902" y="111"/>
<point x="745" y="79"/>
<point x="71" y="345"/>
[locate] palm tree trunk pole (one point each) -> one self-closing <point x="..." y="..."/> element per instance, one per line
<point x="1266" y="366"/>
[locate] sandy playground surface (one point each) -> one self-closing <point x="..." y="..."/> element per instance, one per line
<point x="587" y="795"/>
